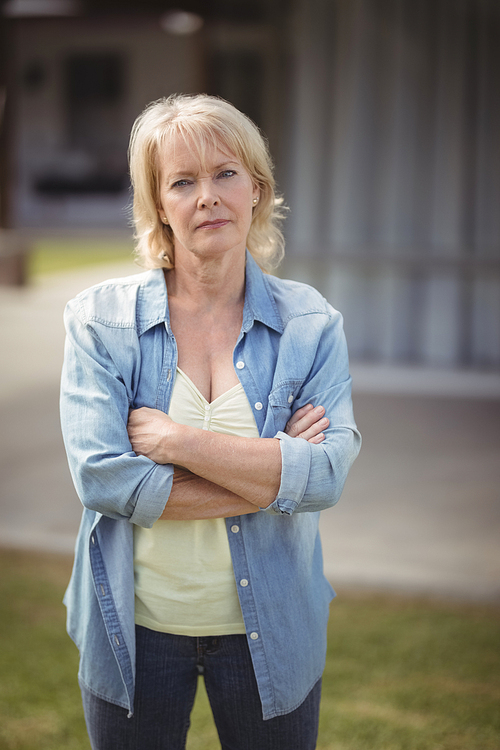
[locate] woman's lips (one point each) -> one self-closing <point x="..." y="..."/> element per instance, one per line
<point x="213" y="224"/>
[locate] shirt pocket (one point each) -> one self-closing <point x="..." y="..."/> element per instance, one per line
<point x="281" y="401"/>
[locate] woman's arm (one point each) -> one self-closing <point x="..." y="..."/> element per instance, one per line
<point x="313" y="476"/>
<point x="248" y="467"/>
<point x="193" y="498"/>
<point x="109" y="478"/>
<point x="245" y="467"/>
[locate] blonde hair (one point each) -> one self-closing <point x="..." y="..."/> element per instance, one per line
<point x="205" y="121"/>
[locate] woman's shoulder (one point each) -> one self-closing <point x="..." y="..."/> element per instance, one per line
<point x="122" y="301"/>
<point x="295" y="299"/>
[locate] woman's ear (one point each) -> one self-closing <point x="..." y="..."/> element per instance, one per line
<point x="162" y="216"/>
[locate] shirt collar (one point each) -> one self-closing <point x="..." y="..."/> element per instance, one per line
<point x="259" y="301"/>
<point x="152" y="304"/>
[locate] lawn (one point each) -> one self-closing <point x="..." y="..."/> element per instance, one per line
<point x="54" y="255"/>
<point x="402" y="673"/>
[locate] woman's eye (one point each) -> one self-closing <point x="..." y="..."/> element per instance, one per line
<point x="180" y="183"/>
<point x="227" y="173"/>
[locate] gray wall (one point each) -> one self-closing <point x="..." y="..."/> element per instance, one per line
<point x="394" y="174"/>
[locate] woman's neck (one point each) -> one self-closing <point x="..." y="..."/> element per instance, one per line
<point x="207" y="284"/>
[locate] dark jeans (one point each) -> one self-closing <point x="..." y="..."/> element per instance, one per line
<point x="167" y="673"/>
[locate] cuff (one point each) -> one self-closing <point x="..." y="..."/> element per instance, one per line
<point x="295" y="465"/>
<point x="153" y="495"/>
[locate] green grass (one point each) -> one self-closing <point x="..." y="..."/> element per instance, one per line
<point x="402" y="674"/>
<point x="52" y="256"/>
<point x="412" y="675"/>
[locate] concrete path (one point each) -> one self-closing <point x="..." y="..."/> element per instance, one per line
<point x="421" y="508"/>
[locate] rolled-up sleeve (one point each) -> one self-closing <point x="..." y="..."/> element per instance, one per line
<point x="313" y="476"/>
<point x="95" y="400"/>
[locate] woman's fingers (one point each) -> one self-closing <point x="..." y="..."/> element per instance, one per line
<point x="307" y="409"/>
<point x="303" y="419"/>
<point x="314" y="434"/>
<point x="308" y="423"/>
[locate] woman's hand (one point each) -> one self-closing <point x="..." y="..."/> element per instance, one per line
<point x="308" y="423"/>
<point x="150" y="432"/>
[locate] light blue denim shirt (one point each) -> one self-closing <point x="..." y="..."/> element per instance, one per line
<point x="121" y="354"/>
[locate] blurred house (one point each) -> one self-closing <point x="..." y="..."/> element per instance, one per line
<point x="383" y="117"/>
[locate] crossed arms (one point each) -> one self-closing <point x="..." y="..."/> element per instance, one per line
<point x="217" y="476"/>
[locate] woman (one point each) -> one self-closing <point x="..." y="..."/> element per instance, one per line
<point x="193" y="403"/>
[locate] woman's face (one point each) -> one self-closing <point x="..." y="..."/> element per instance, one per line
<point x="208" y="206"/>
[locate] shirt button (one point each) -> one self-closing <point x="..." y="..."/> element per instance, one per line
<point x="240" y="365"/>
<point x="206" y="418"/>
<point x="207" y="407"/>
<point x="258" y="406"/>
<point x="290" y="398"/>
<point x="235" y="529"/>
<point x="254" y="636"/>
<point x="243" y="582"/>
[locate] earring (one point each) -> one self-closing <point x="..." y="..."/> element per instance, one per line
<point x="255" y="201"/>
<point x="164" y="219"/>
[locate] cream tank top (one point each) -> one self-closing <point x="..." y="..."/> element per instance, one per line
<point x="184" y="579"/>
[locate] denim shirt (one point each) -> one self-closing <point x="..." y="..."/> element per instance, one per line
<point x="121" y="354"/>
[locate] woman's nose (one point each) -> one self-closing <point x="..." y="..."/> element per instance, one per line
<point x="207" y="196"/>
